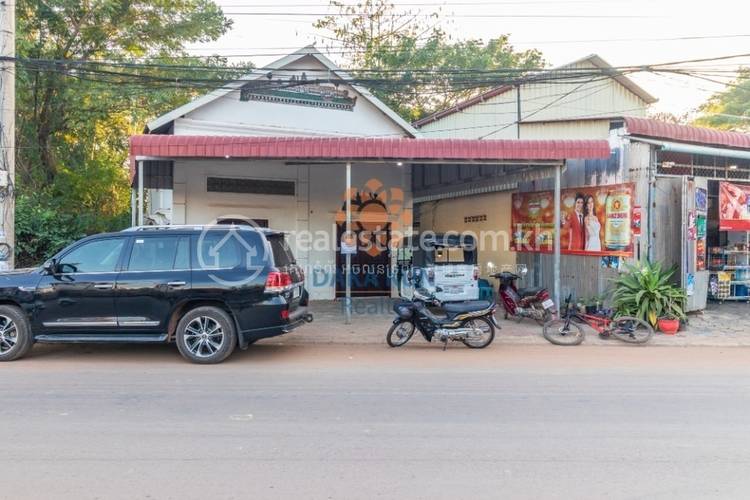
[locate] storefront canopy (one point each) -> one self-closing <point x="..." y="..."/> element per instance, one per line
<point x="655" y="129"/>
<point x="364" y="149"/>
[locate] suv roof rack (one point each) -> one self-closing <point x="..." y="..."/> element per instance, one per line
<point x="197" y="227"/>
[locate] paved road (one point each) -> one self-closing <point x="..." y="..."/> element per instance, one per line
<point x="349" y="422"/>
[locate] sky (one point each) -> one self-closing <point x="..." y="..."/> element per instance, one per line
<point x="623" y="32"/>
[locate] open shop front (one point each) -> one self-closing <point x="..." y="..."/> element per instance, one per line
<point x="709" y="191"/>
<point x="729" y="250"/>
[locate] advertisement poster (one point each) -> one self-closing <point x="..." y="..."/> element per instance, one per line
<point x="596" y="221"/>
<point x="692" y="229"/>
<point x="700" y="225"/>
<point x="701" y="200"/>
<point x="734" y="207"/>
<point x="636" y="223"/>
<point x="700" y="255"/>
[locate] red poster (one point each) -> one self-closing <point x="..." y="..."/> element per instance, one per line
<point x="636" y="223"/>
<point x="734" y="207"/>
<point x="595" y="220"/>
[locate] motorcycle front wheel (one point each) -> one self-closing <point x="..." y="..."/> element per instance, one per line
<point x="400" y="333"/>
<point x="480" y="341"/>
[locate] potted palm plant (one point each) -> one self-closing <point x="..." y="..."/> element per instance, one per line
<point x="647" y="292"/>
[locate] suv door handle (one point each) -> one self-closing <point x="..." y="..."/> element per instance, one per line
<point x="176" y="283"/>
<point x="104" y="286"/>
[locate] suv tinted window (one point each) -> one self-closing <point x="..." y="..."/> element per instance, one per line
<point x="98" y="256"/>
<point x="282" y="254"/>
<point x="229" y="249"/>
<point x="159" y="254"/>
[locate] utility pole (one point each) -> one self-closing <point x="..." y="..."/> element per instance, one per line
<point x="518" y="111"/>
<point x="7" y="132"/>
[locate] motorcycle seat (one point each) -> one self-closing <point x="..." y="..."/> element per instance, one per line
<point x="529" y="292"/>
<point x="468" y="306"/>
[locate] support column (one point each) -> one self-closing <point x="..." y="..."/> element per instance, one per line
<point x="348" y="299"/>
<point x="140" y="193"/>
<point x="133" y="207"/>
<point x="558" y="175"/>
<point x="518" y="111"/>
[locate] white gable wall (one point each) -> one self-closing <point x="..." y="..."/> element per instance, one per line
<point x="227" y="115"/>
<point x="544" y="102"/>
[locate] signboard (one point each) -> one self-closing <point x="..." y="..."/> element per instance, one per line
<point x="596" y="220"/>
<point x="734" y="207"/>
<point x="299" y="92"/>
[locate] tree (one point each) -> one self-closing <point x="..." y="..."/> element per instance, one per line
<point x="666" y="116"/>
<point x="89" y="75"/>
<point x="729" y="109"/>
<point x="403" y="55"/>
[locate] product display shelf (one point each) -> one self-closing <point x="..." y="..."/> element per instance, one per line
<point x="735" y="264"/>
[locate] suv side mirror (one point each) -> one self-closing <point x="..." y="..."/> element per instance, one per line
<point x="50" y="267"/>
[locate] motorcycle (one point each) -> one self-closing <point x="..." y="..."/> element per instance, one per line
<point x="471" y="322"/>
<point x="520" y="303"/>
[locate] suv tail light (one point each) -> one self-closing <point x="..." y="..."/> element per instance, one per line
<point x="476" y="273"/>
<point x="278" y="282"/>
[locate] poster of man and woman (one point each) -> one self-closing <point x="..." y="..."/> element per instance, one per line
<point x="595" y="220"/>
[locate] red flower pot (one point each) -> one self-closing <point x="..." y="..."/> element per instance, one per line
<point x="668" y="326"/>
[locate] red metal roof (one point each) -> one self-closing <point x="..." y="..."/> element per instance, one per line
<point x="356" y="148"/>
<point x="683" y="133"/>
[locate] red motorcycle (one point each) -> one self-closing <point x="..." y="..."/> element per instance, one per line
<point x="520" y="303"/>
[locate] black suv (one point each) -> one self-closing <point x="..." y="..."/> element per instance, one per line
<point x="206" y="288"/>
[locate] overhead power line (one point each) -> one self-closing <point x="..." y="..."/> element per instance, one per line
<point x="479" y="16"/>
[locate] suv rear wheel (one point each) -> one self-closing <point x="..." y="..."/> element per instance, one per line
<point x="206" y="335"/>
<point x="15" y="334"/>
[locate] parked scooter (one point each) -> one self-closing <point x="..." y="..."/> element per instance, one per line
<point x="471" y="322"/>
<point x="520" y="303"/>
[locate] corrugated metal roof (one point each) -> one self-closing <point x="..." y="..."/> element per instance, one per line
<point x="683" y="133"/>
<point x="355" y="148"/>
<point x="594" y="59"/>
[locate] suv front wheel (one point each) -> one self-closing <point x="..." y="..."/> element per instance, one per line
<point x="206" y="335"/>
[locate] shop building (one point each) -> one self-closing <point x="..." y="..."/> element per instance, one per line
<point x="297" y="147"/>
<point x="581" y="104"/>
<point x="672" y="176"/>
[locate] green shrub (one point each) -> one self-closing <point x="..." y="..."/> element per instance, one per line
<point x="646" y="292"/>
<point x="44" y="225"/>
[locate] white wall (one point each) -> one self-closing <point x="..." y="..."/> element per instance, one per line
<point x="543" y="102"/>
<point x="320" y="193"/>
<point x="228" y="115"/>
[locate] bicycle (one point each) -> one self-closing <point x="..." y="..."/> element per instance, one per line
<point x="566" y="330"/>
